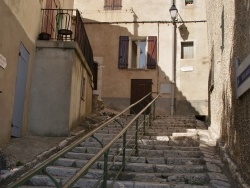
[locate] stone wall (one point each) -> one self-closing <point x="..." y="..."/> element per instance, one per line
<point x="229" y="39"/>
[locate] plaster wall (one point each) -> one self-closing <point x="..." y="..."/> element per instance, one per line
<point x="28" y="14"/>
<point x="116" y="82"/>
<point x="229" y="39"/>
<point x="56" y="106"/>
<point x="81" y="92"/>
<point x="12" y="34"/>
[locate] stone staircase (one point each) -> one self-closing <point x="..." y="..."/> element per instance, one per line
<point x="175" y="153"/>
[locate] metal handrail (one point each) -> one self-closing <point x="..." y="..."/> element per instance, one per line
<point x="43" y="165"/>
<point x="84" y="169"/>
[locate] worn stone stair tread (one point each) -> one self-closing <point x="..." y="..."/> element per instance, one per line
<point x="144" y="146"/>
<point x="132" y="167"/>
<point x="181" y="141"/>
<point x="141" y="178"/>
<point x="166" y="141"/>
<point x="161" y="160"/>
<point x="141" y="152"/>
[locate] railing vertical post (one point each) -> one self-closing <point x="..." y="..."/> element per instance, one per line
<point x="124" y="151"/>
<point x="154" y="111"/>
<point x="150" y="115"/>
<point x="136" y="137"/>
<point x="105" y="170"/>
<point x="144" y="123"/>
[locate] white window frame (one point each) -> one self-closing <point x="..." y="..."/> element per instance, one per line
<point x="194" y="53"/>
<point x="131" y="39"/>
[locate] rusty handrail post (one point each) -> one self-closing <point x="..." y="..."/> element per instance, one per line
<point x="154" y="111"/>
<point x="105" y="169"/>
<point x="124" y="150"/>
<point x="144" y="123"/>
<point x="136" y="137"/>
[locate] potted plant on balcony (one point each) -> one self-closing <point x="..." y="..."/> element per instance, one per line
<point x="44" y="36"/>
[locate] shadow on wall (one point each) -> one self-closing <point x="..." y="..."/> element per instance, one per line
<point x="238" y="134"/>
<point x="105" y="44"/>
<point x="182" y="105"/>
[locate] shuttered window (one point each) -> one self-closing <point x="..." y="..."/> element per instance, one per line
<point x="152" y="52"/>
<point x="137" y="53"/>
<point x="123" y="52"/>
<point x="112" y="4"/>
<point x="187" y="50"/>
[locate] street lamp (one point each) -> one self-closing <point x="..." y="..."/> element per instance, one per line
<point x="173" y="12"/>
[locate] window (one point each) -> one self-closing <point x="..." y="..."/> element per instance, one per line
<point x="137" y="53"/>
<point x="187" y="50"/>
<point x="112" y="4"/>
<point x="189" y="2"/>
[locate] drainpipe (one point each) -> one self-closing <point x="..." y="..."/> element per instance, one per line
<point x="173" y="71"/>
<point x="173" y="80"/>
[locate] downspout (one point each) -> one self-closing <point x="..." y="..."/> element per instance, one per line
<point x="173" y="67"/>
<point x="158" y="51"/>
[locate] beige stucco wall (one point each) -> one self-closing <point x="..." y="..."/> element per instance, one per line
<point x="116" y="84"/>
<point x="80" y="106"/>
<point x="12" y="34"/>
<point x="230" y="118"/>
<point x="20" y="23"/>
<point x="56" y="107"/>
<point x="28" y="14"/>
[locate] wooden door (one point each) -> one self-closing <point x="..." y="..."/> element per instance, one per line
<point x="139" y="89"/>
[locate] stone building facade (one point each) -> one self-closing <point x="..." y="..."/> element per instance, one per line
<point x="229" y="47"/>
<point x="115" y="29"/>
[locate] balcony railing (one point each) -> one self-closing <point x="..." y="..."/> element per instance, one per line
<point x="66" y="25"/>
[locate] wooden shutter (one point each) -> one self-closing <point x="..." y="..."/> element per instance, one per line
<point x="152" y="52"/>
<point x="117" y="4"/>
<point x="49" y="17"/>
<point x="108" y="4"/>
<point x="112" y="4"/>
<point x="123" y="52"/>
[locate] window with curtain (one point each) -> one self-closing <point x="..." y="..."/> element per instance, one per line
<point x="137" y="53"/>
<point x="187" y="50"/>
<point x="112" y="4"/>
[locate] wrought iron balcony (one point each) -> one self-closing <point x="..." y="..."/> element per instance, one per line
<point x="66" y="25"/>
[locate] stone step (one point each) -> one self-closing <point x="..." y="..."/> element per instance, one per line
<point x="164" y="140"/>
<point x="141" y="152"/>
<point x="170" y="130"/>
<point x="172" y="136"/>
<point x="78" y="162"/>
<point x="158" y="140"/>
<point x="131" y="159"/>
<point x="142" y="146"/>
<point x="131" y="167"/>
<point x="200" y="177"/>
<point x="86" y="183"/>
